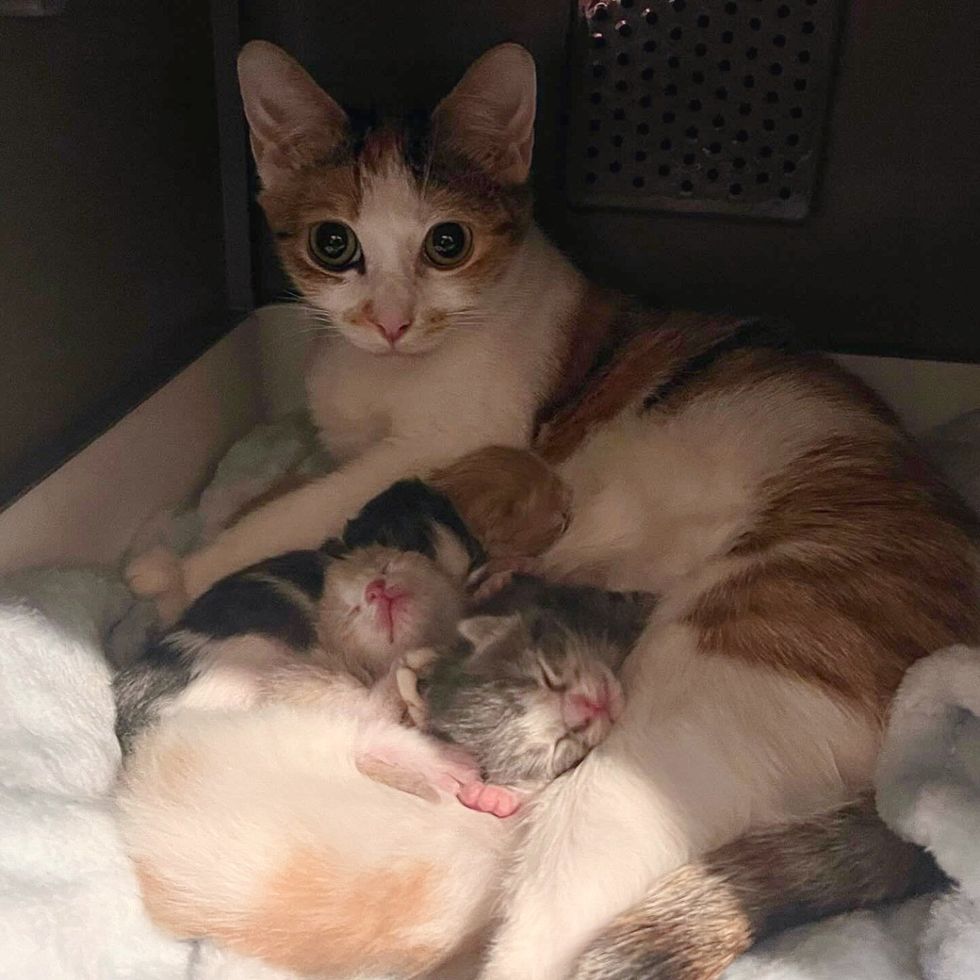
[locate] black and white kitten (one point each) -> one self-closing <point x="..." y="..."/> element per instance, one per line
<point x="392" y="584"/>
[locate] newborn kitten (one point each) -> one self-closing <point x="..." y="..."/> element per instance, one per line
<point x="510" y="499"/>
<point x="392" y="584"/>
<point x="529" y="688"/>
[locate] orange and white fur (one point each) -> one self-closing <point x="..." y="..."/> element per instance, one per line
<point x="803" y="555"/>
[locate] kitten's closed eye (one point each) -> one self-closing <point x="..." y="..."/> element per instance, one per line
<point x="550" y="678"/>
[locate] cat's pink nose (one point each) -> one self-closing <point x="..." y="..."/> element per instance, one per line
<point x="392" y="328"/>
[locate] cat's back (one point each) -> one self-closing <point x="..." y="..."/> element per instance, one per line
<point x="785" y="516"/>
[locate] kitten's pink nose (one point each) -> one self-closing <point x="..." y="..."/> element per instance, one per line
<point x="581" y="710"/>
<point x="393" y="326"/>
<point x="386" y="600"/>
<point x="380" y="591"/>
<point x="589" y="708"/>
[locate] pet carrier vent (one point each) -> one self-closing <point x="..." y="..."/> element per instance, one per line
<point x="712" y="106"/>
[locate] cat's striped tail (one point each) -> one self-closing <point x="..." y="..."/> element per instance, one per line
<point x="701" y="917"/>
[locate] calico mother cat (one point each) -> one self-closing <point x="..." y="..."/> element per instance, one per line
<point x="804" y="554"/>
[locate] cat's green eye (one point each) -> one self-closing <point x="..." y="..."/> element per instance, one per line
<point x="334" y="246"/>
<point x="448" y="244"/>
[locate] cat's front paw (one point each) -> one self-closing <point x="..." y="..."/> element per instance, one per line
<point x="488" y="798"/>
<point x="157" y="574"/>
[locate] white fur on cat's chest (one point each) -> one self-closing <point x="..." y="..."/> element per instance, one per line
<point x="357" y="399"/>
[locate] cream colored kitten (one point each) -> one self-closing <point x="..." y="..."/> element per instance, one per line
<point x="804" y="554"/>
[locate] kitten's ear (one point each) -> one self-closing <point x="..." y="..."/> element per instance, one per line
<point x="626" y="614"/>
<point x="334" y="548"/>
<point x="292" y="121"/>
<point x="489" y="116"/>
<point x="483" y="631"/>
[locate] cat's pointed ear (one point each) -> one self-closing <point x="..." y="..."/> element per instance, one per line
<point x="292" y="122"/>
<point x="484" y="631"/>
<point x="488" y="117"/>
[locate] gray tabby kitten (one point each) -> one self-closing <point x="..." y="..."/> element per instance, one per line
<point x="529" y="689"/>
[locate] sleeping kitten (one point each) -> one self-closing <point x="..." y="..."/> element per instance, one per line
<point x="529" y="689"/>
<point x="352" y="612"/>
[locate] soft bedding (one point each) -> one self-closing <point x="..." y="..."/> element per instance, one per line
<point x="69" y="903"/>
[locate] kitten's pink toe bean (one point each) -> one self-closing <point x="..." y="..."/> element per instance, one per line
<point x="487" y="798"/>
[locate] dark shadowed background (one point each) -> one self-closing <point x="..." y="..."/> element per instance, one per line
<point x="128" y="244"/>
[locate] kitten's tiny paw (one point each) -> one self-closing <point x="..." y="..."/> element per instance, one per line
<point x="407" y="683"/>
<point x="406" y="674"/>
<point x="488" y="798"/>
<point x="497" y="574"/>
<point x="419" y="658"/>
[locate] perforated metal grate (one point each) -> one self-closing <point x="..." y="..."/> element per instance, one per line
<point x="699" y="105"/>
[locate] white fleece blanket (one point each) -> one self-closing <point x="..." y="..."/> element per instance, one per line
<point x="929" y="792"/>
<point x="69" y="904"/>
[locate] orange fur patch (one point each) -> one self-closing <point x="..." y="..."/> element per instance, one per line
<point x="634" y="354"/>
<point x="313" y="920"/>
<point x="859" y="569"/>
<point x="514" y="504"/>
<point x="314" y="917"/>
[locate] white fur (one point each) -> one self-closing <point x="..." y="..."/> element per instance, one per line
<point x="706" y="748"/>
<point x="391" y="225"/>
<point x="397" y="416"/>
<point x="231" y="674"/>
<point x="289" y="775"/>
<point x="657" y="497"/>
